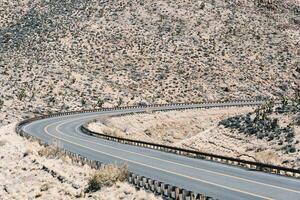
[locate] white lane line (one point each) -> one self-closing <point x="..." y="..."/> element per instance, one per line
<point x="167" y="171"/>
<point x="172" y="162"/>
<point x="200" y="169"/>
<point x="166" y="161"/>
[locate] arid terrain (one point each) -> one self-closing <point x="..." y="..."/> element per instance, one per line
<point x="204" y="130"/>
<point x="81" y="54"/>
<point x="65" y="55"/>
<point x="27" y="173"/>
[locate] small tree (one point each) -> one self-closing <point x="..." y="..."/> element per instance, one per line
<point x="32" y="96"/>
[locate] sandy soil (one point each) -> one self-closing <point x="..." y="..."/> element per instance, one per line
<point x="198" y="129"/>
<point x="22" y="174"/>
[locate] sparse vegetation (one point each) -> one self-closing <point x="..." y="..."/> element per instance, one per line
<point x="197" y="54"/>
<point x="51" y="152"/>
<point x="100" y="103"/>
<point x="27" y="175"/>
<point x="54" y="150"/>
<point x="264" y="122"/>
<point x="107" y="176"/>
<point x="267" y="157"/>
<point x="21" y="95"/>
<point x="1" y="103"/>
<point x="83" y="102"/>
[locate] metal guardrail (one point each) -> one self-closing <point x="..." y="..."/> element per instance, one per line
<point x="280" y="170"/>
<point x="165" y="190"/>
<point x="159" y="187"/>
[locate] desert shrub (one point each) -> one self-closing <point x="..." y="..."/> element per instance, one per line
<point x="298" y="119"/>
<point x="268" y="4"/>
<point x="1" y="103"/>
<point x="21" y="95"/>
<point x="83" y="102"/>
<point x="107" y="176"/>
<point x="99" y="103"/>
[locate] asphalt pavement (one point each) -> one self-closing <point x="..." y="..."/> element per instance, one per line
<point x="213" y="179"/>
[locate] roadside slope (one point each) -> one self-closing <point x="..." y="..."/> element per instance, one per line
<point x="211" y="178"/>
<point x="24" y="174"/>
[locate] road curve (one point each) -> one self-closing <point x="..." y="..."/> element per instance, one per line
<point x="213" y="179"/>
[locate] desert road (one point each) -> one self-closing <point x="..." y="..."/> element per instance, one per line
<point x="210" y="178"/>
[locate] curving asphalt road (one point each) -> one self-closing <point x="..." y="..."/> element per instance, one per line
<point x="211" y="178"/>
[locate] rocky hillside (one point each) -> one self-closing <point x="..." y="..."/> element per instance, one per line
<point x="63" y="55"/>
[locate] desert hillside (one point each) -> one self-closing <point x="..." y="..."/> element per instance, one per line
<point x="65" y="55"/>
<point x="60" y="55"/>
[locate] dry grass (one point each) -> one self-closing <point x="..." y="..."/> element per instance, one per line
<point x="107" y="176"/>
<point x="267" y="157"/>
<point x="51" y="152"/>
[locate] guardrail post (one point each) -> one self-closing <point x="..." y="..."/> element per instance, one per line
<point x="167" y="190"/>
<point x="145" y="183"/>
<point x="157" y="187"/>
<point x="140" y="181"/>
<point x="151" y="184"/>
<point x="182" y="194"/>
<point x="135" y="180"/>
<point x="130" y="180"/>
<point x="190" y="196"/>
<point x="162" y="187"/>
<point x="173" y="192"/>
